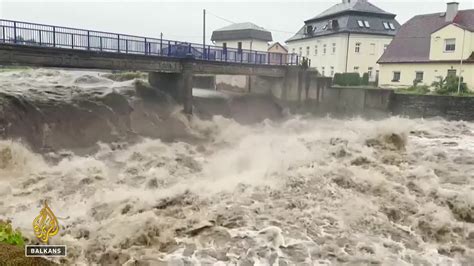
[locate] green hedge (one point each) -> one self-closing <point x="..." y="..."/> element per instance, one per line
<point x="365" y="79"/>
<point x="347" y="79"/>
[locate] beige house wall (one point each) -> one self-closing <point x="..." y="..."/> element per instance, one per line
<point x="277" y="49"/>
<point x="371" y="48"/>
<point x="275" y="57"/>
<point x="255" y="45"/>
<point x="437" y="49"/>
<point x="431" y="72"/>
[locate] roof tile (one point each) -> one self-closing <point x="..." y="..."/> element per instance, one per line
<point x="412" y="42"/>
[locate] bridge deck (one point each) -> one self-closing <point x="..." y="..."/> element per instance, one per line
<point x="46" y="36"/>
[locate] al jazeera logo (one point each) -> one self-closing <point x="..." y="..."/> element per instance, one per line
<point x="45" y="226"/>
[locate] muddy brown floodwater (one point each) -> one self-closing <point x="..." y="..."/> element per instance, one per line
<point x="298" y="191"/>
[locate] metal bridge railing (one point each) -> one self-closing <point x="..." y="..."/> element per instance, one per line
<point x="32" y="34"/>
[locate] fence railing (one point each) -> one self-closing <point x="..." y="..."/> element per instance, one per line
<point x="32" y="34"/>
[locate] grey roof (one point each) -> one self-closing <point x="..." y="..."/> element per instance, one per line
<point x="348" y="23"/>
<point x="362" y="6"/>
<point x="241" y="31"/>
<point x="413" y="41"/>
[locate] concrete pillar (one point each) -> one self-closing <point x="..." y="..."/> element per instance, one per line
<point x="300" y="84"/>
<point x="177" y="85"/>
<point x="187" y="87"/>
<point x="307" y="84"/>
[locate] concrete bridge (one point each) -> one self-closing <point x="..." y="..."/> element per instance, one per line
<point x="171" y="64"/>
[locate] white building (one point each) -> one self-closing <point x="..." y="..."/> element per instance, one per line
<point x="247" y="36"/>
<point x="348" y="37"/>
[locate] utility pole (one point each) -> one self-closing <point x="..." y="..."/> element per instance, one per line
<point x="460" y="66"/>
<point x="204" y="32"/>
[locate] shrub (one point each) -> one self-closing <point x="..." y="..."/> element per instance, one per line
<point x="449" y="85"/>
<point x="421" y="89"/>
<point x="347" y="79"/>
<point x="365" y="79"/>
<point x="9" y="235"/>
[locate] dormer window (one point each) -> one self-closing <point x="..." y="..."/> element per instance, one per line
<point x="386" y="26"/>
<point x="391" y="26"/>
<point x="361" y="23"/>
<point x="366" y="23"/>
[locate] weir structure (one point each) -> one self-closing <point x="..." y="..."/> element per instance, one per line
<point x="171" y="64"/>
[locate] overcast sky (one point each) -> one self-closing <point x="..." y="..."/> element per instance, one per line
<point x="183" y="20"/>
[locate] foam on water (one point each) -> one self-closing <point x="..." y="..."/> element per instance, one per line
<point x="302" y="191"/>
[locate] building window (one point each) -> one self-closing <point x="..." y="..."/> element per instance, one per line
<point x="451" y="72"/>
<point x="332" y="71"/>
<point x="419" y="76"/>
<point x="322" y="71"/>
<point x="391" y="26"/>
<point x="239" y="47"/>
<point x="333" y="48"/>
<point x="293" y="51"/>
<point x="366" y="24"/>
<point x="357" y="48"/>
<point x="224" y="46"/>
<point x="324" y="49"/>
<point x="386" y="26"/>
<point x="361" y="23"/>
<point x="301" y="51"/>
<point x="449" y="45"/>
<point x="307" y="50"/>
<point x="356" y="69"/>
<point x="372" y="48"/>
<point x="369" y="72"/>
<point x="396" y="76"/>
<point x="315" y="50"/>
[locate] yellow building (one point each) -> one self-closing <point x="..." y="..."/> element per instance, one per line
<point x="348" y="37"/>
<point x="279" y="53"/>
<point x="431" y="46"/>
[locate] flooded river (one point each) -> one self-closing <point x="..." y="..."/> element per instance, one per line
<point x="296" y="191"/>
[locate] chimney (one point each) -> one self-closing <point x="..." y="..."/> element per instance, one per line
<point x="451" y="11"/>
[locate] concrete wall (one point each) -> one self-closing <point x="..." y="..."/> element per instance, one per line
<point x="356" y="101"/>
<point x="375" y="103"/>
<point x="449" y="107"/>
<point x="235" y="83"/>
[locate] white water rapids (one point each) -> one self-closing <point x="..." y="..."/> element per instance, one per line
<point x="303" y="191"/>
